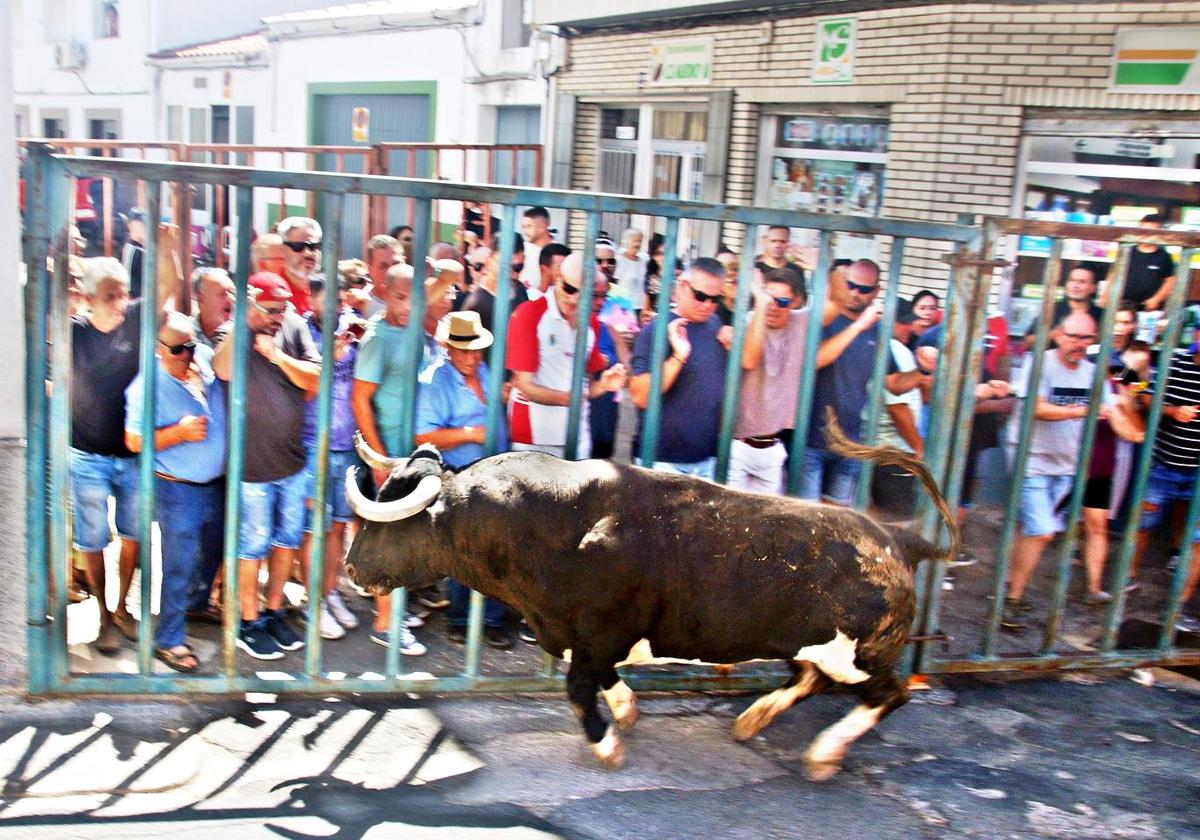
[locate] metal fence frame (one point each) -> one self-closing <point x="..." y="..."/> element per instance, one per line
<point x="48" y="496"/>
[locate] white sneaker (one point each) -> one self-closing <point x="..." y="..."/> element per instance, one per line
<point x="412" y="620"/>
<point x="328" y="625"/>
<point x="337" y="606"/>
<point x="409" y="645"/>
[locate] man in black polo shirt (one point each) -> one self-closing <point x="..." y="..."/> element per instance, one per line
<point x="282" y="373"/>
<point x="1151" y="273"/>
<point x="1080" y="288"/>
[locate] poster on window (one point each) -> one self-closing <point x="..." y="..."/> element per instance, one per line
<point x="824" y="186"/>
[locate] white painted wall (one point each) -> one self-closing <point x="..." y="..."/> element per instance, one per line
<point x="12" y="338"/>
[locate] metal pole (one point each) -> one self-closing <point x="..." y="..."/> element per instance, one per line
<point x="580" y="382"/>
<point x="236" y="414"/>
<point x="883" y="352"/>
<point x="658" y="347"/>
<point x="1153" y="419"/>
<point x="320" y="515"/>
<point x="808" y="374"/>
<point x="1095" y="399"/>
<point x="147" y="495"/>
<point x="733" y="370"/>
<point x="1050" y="279"/>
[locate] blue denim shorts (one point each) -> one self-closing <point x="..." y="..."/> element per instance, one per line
<point x="1165" y="486"/>
<point x="829" y="477"/>
<point x="94" y="478"/>
<point x="706" y="469"/>
<point x="1041" y="496"/>
<point x="272" y="515"/>
<point x="337" y="506"/>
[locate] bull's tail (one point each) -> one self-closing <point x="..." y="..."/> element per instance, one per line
<point x="890" y="457"/>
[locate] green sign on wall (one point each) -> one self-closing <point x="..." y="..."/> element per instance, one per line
<point x="834" y="44"/>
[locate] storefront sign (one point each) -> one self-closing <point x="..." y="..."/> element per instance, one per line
<point x="856" y="134"/>
<point x="360" y="125"/>
<point x="1160" y="59"/>
<point x="834" y="44"/>
<point x="681" y="62"/>
<point x="1122" y="147"/>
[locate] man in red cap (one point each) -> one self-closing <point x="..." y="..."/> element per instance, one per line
<point x="282" y="373"/>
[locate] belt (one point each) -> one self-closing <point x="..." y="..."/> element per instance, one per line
<point x="166" y="477"/>
<point x="760" y="441"/>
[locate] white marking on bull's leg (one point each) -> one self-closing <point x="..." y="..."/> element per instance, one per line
<point x="640" y="652"/>
<point x="824" y="757"/>
<point x="610" y="751"/>
<point x="835" y="658"/>
<point x="765" y="709"/>
<point x="623" y="704"/>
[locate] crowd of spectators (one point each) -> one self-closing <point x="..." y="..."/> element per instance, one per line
<point x="543" y="289"/>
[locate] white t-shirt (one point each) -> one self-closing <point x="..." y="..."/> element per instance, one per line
<point x="631" y="274"/>
<point x="531" y="274"/>
<point x="889" y="435"/>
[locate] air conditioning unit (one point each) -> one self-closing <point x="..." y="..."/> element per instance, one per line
<point x="70" y="55"/>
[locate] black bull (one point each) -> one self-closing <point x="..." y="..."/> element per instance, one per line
<point x="598" y="555"/>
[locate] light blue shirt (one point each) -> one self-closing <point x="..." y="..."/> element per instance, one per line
<point x="379" y="361"/>
<point x="198" y="461"/>
<point x="445" y="402"/>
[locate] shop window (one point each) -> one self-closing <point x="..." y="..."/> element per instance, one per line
<point x="54" y="128"/>
<point x="679" y="125"/>
<point x="619" y="124"/>
<point x="108" y="19"/>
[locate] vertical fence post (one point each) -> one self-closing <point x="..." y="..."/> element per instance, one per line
<point x="883" y="352"/>
<point x="583" y="317"/>
<point x="733" y="370"/>
<point x="147" y="495"/>
<point x="1050" y="280"/>
<point x="1170" y="343"/>
<point x="658" y="347"/>
<point x="236" y="414"/>
<point x="808" y="375"/>
<point x="320" y="515"/>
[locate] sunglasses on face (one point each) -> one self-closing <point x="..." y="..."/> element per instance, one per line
<point x="300" y="247"/>
<point x="270" y="311"/>
<point x="569" y="289"/>
<point x="176" y="349"/>
<point x="1087" y="339"/>
<point x="704" y="297"/>
<point x="861" y="289"/>
<point x="478" y="266"/>
<point x="783" y="302"/>
<point x="516" y="268"/>
<point x="606" y="260"/>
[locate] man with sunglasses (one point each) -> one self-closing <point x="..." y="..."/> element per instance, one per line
<point x="301" y="257"/>
<point x="189" y="460"/>
<point x="485" y="263"/>
<point x="541" y="356"/>
<point x="772" y="359"/>
<point x="693" y="375"/>
<point x="282" y="373"/>
<point x="844" y="363"/>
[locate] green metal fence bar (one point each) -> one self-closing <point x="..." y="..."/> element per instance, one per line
<point x="1187" y="550"/>
<point x="808" y="374"/>
<point x="733" y="368"/>
<point x="658" y="347"/>
<point x="1096" y="396"/>
<point x="976" y="291"/>
<point x="583" y="317"/>
<point x="879" y="369"/>
<point x="1170" y="342"/>
<point x="1050" y="282"/>
<point x="40" y="180"/>
<point x="147" y="495"/>
<point x="61" y="557"/>
<point x="236" y="418"/>
<point x="330" y="306"/>
<point x="1066" y="662"/>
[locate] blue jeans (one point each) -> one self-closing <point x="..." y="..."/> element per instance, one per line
<point x="829" y="476"/>
<point x="460" y="603"/>
<point x="272" y="515"/>
<point x="94" y="478"/>
<point x="191" y="523"/>
<point x="706" y="469"/>
<point x="1165" y="486"/>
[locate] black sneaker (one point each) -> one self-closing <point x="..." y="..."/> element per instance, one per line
<point x="1010" y="618"/>
<point x="525" y="633"/>
<point x="458" y="635"/>
<point x="500" y="638"/>
<point x="282" y="633"/>
<point x="256" y="641"/>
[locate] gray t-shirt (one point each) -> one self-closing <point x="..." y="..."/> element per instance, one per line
<point x="275" y="407"/>
<point x="1054" y="444"/>
<point x="768" y="399"/>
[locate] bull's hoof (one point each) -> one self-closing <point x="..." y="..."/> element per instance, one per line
<point x="626" y="715"/>
<point x="748" y="724"/>
<point x="623" y="704"/>
<point x="821" y="770"/>
<point x="610" y="750"/>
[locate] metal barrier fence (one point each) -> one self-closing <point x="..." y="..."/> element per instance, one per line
<point x="970" y="272"/>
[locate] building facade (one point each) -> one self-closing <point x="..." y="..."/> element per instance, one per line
<point x="1078" y="110"/>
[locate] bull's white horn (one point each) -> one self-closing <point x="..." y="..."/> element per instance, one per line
<point x="426" y="491"/>
<point x="372" y="458"/>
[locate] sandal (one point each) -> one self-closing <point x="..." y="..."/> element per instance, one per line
<point x="211" y="614"/>
<point x="126" y="625"/>
<point x="185" y="662"/>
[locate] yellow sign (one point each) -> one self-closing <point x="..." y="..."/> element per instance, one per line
<point x="681" y="62"/>
<point x="360" y="125"/>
